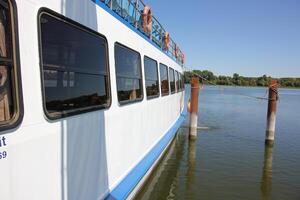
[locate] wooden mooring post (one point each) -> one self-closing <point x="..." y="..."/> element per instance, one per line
<point x="271" y="115"/>
<point x="194" y="107"/>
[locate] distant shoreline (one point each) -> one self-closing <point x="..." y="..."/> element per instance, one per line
<point x="248" y="86"/>
<point x="209" y="78"/>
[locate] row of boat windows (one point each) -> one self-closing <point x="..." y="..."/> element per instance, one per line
<point x="75" y="71"/>
<point x="74" y="66"/>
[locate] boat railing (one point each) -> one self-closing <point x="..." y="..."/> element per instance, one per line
<point x="132" y="12"/>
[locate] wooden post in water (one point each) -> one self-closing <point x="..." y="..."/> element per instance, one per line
<point x="271" y="115"/>
<point x="194" y="107"/>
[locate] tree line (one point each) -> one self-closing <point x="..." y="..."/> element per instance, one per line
<point x="238" y="80"/>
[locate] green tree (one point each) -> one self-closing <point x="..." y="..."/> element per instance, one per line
<point x="208" y="75"/>
<point x="236" y="79"/>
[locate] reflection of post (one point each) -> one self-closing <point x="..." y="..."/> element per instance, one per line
<point x="192" y="148"/>
<point x="266" y="181"/>
<point x="194" y="107"/>
<point x="133" y="95"/>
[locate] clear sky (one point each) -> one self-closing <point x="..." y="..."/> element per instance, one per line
<point x="249" y="37"/>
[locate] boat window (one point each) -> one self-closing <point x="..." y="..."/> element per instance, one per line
<point x="177" y="82"/>
<point x="9" y="97"/>
<point x="182" y="82"/>
<point x="164" y="81"/>
<point x="129" y="76"/>
<point x="172" y="80"/>
<point x="75" y="69"/>
<point x="151" y="76"/>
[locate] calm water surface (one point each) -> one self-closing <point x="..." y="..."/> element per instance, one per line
<point x="229" y="159"/>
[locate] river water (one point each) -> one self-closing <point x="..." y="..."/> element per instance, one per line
<point x="229" y="159"/>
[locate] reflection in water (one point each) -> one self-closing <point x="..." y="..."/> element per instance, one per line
<point x="171" y="161"/>
<point x="175" y="177"/>
<point x="190" y="175"/>
<point x="266" y="181"/>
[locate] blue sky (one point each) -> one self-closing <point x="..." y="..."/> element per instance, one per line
<point x="250" y="37"/>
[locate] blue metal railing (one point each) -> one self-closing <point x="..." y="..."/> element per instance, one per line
<point x="131" y="11"/>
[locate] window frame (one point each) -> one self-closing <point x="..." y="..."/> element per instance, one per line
<point x="170" y="68"/>
<point x="153" y="96"/>
<point x="15" y="75"/>
<point x="179" y="79"/>
<point x="182" y="82"/>
<point x="128" y="102"/>
<point x="86" y="29"/>
<point x="164" y="94"/>
<point x="180" y="85"/>
<point x="177" y="83"/>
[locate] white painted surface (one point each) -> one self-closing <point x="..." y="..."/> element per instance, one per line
<point x="193" y="124"/>
<point x="271" y="122"/>
<point x="84" y="156"/>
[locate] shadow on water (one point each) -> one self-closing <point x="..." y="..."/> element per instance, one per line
<point x="266" y="180"/>
<point x="83" y="143"/>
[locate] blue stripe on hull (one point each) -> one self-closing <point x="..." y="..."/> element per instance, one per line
<point x="137" y="173"/>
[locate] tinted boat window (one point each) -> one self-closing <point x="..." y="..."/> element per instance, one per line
<point x="128" y="72"/>
<point x="151" y="76"/>
<point x="177" y="81"/>
<point x="74" y="67"/>
<point x="164" y="81"/>
<point x="9" y="97"/>
<point x="182" y="82"/>
<point x="172" y="80"/>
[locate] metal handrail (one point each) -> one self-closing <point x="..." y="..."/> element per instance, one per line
<point x="131" y="11"/>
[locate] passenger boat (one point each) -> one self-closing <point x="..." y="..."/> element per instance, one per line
<point x="91" y="95"/>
